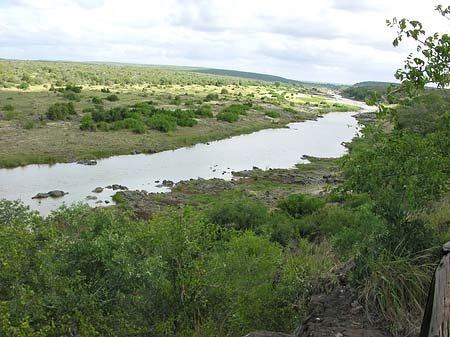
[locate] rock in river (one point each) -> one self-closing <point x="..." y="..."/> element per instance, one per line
<point x="116" y="187"/>
<point x="51" y="194"/>
<point x="87" y="162"/>
<point x="98" y="190"/>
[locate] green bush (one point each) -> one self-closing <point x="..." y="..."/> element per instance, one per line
<point x="8" y="107"/>
<point x="163" y="123"/>
<point x="228" y="116"/>
<point x="28" y="124"/>
<point x="60" y="111"/>
<point x="112" y="98"/>
<point x="240" y="109"/>
<point x="87" y="123"/>
<point x="298" y="205"/>
<point x="240" y="214"/>
<point x="273" y="114"/>
<point x="71" y="96"/>
<point x="204" y="111"/>
<point x="224" y="91"/>
<point x="97" y="100"/>
<point x="212" y="97"/>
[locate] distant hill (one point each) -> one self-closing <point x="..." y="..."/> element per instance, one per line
<point x="374" y="84"/>
<point x="259" y="77"/>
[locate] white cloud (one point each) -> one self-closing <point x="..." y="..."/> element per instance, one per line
<point x="325" y="40"/>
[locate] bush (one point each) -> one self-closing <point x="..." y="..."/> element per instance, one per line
<point x="112" y="98"/>
<point x="28" y="124"/>
<point x="87" y="123"/>
<point x="204" y="111"/>
<point x="224" y="91"/>
<point x="273" y="114"/>
<point x="240" y="214"/>
<point x="228" y="116"/>
<point x="8" y="107"/>
<point x="212" y="97"/>
<point x="71" y="96"/>
<point x="163" y="123"/>
<point x="97" y="100"/>
<point x="298" y="205"/>
<point x="240" y="109"/>
<point x="60" y="111"/>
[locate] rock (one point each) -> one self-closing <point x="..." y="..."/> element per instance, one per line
<point x="168" y="183"/>
<point x="41" y="196"/>
<point x="51" y="194"/>
<point x="255" y="168"/>
<point x="98" y="190"/>
<point x="91" y="197"/>
<point x="116" y="187"/>
<point x="57" y="194"/>
<point x="107" y="201"/>
<point x="119" y="187"/>
<point x="156" y="181"/>
<point x="87" y="162"/>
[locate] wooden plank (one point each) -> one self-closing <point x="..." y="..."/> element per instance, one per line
<point x="436" y="320"/>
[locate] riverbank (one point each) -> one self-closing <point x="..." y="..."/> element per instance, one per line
<point x="28" y="137"/>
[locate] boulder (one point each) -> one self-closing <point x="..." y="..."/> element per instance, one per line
<point x="98" y="190"/>
<point x="57" y="194"/>
<point x="168" y="183"/>
<point x="87" y="162"/>
<point x="41" y="196"/>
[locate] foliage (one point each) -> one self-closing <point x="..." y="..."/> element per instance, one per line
<point x="298" y="205"/>
<point x="112" y="98"/>
<point x="240" y="214"/>
<point x="87" y="123"/>
<point x="273" y="114"/>
<point x="60" y="111"/>
<point x="162" y="122"/>
<point x="84" y="272"/>
<point x="8" y="107"/>
<point x="228" y="116"/>
<point x="431" y="62"/>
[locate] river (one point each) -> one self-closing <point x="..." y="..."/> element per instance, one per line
<point x="271" y="148"/>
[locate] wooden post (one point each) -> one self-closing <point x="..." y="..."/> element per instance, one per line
<point x="436" y="319"/>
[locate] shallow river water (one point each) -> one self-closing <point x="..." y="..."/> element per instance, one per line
<point x="272" y="148"/>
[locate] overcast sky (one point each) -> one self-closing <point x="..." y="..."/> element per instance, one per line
<point x="340" y="41"/>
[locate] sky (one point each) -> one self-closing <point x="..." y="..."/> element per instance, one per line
<point x="337" y="41"/>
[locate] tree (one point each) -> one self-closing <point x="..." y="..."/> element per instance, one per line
<point x="431" y="62"/>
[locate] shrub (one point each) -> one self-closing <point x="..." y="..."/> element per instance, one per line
<point x="87" y="123"/>
<point x="203" y="111"/>
<point x="8" y="107"/>
<point x="112" y="98"/>
<point x="224" y="91"/>
<point x="298" y="205"/>
<point x="228" y="116"/>
<point x="71" y="96"/>
<point x="163" y="123"/>
<point x="212" y="97"/>
<point x="273" y="114"/>
<point x="28" y="124"/>
<point x="97" y="100"/>
<point x="60" y="111"/>
<point x="240" y="109"/>
<point x="240" y="214"/>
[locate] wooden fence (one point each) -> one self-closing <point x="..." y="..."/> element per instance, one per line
<point x="436" y="319"/>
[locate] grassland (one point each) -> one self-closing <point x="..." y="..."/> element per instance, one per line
<point x="27" y="136"/>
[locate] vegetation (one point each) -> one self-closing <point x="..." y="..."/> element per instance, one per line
<point x="246" y="257"/>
